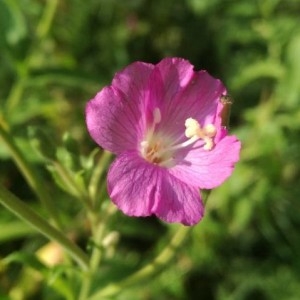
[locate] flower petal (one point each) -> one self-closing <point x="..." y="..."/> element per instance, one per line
<point x="108" y="126"/>
<point x="176" y="74"/>
<point x="199" y="100"/>
<point x="142" y="189"/>
<point x="116" y="116"/>
<point x="131" y="184"/>
<point x="180" y="202"/>
<point x="132" y="81"/>
<point x="208" y="169"/>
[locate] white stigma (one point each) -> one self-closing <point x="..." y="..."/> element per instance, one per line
<point x="210" y="130"/>
<point x="156" y="115"/>
<point x="191" y="127"/>
<point x="194" y="131"/>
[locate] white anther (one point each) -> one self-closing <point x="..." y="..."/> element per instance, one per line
<point x="156" y="115"/>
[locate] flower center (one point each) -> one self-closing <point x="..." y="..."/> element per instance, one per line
<point x="158" y="148"/>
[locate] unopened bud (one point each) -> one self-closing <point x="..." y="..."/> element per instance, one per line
<point x="111" y="239"/>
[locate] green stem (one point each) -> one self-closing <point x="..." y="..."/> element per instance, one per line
<point x="72" y="186"/>
<point x="95" y="182"/>
<point x="13" y="99"/>
<point x="42" y="30"/>
<point x="98" y="228"/>
<point x="16" y="93"/>
<point x="94" y="263"/>
<point x="149" y="270"/>
<point x="30" y="175"/>
<point x="46" y="21"/>
<point x="20" y="209"/>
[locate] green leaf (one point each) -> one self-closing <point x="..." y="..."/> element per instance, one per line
<point x="42" y="143"/>
<point x="12" y="23"/>
<point x="293" y="77"/>
<point x="56" y="279"/>
<point x="261" y="69"/>
<point x="70" y="143"/>
<point x="60" y="179"/>
<point x="55" y="276"/>
<point x="68" y="159"/>
<point x="71" y="152"/>
<point x="15" y="230"/>
<point x="27" y="259"/>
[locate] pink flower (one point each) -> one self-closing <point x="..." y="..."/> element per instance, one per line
<point x="163" y="123"/>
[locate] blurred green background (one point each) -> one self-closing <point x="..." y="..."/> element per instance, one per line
<point x="55" y="55"/>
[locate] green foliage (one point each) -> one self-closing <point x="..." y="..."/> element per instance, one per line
<point x="247" y="246"/>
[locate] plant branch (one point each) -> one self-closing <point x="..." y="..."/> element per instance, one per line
<point x="30" y="175"/>
<point x="149" y="270"/>
<point x="20" y="209"/>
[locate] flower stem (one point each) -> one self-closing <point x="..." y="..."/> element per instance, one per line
<point x="149" y="270"/>
<point x="20" y="209"/>
<point x="93" y="264"/>
<point x="95" y="181"/>
<point x="30" y="175"/>
<point x="98" y="230"/>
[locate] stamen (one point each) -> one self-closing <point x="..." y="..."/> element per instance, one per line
<point x="210" y="130"/>
<point x="194" y="131"/>
<point x="208" y="144"/>
<point x="180" y="146"/>
<point x="190" y="122"/>
<point x="159" y="149"/>
<point x="156" y="120"/>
